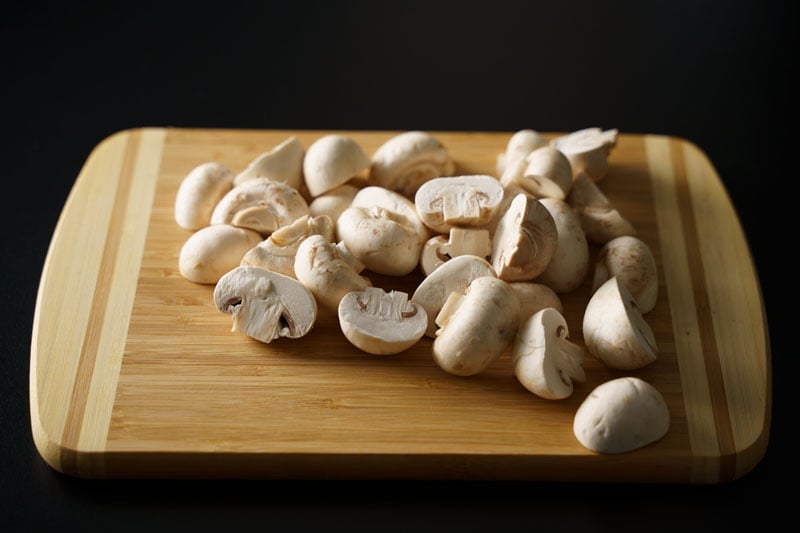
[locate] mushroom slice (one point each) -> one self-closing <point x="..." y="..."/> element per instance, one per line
<point x="524" y="241"/>
<point x="376" y="196"/>
<point x="453" y="276"/>
<point x="283" y="163"/>
<point x="265" y="305"/>
<point x="621" y="415"/>
<point x="615" y="331"/>
<point x="600" y="221"/>
<point x="277" y="252"/>
<point x="570" y="262"/>
<point x="331" y="161"/>
<point x="333" y="202"/>
<point x="588" y="150"/>
<point x="381" y="323"/>
<point x="631" y="260"/>
<point x="458" y="201"/>
<point x="321" y="268"/>
<point x="260" y="204"/>
<point x="533" y="297"/>
<point x="475" y="328"/>
<point x="214" y="250"/>
<point x="548" y="174"/>
<point x="199" y="192"/>
<point x="461" y="241"/>
<point x="545" y="362"/>
<point x="408" y="160"/>
<point x="522" y="143"/>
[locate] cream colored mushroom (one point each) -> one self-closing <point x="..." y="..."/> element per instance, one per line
<point x="277" y="252"/>
<point x="509" y="193"/>
<point x="569" y="265"/>
<point x="199" y="192"/>
<point x="453" y="276"/>
<point x="265" y="305"/>
<point x="442" y="203"/>
<point x="632" y="262"/>
<point x="376" y="196"/>
<point x="320" y="267"/>
<point x="283" y="163"/>
<point x="600" y="220"/>
<point x="588" y="150"/>
<point x="460" y="241"/>
<point x="331" y="161"/>
<point x="545" y="361"/>
<point x="476" y="327"/>
<point x="521" y="143"/>
<point x="214" y="250"/>
<point x="621" y="415"/>
<point x="614" y="330"/>
<point x="548" y="174"/>
<point x="333" y="202"/>
<point x="380" y="322"/>
<point x="406" y="161"/>
<point x="533" y="297"/>
<point x="261" y="205"/>
<point x="524" y="241"/>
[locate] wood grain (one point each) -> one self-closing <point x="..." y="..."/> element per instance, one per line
<point x="135" y="373"/>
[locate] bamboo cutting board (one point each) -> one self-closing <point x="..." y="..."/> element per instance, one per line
<point x="134" y="373"/>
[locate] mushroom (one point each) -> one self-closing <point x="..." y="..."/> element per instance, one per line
<point x="615" y="331"/>
<point x="621" y="415"/>
<point x="265" y="305"/>
<point x="524" y="241"/>
<point x="381" y="323"/>
<point x="521" y="143"/>
<point x="545" y="362"/>
<point x="333" y="202"/>
<point x="534" y="297"/>
<point x="548" y="174"/>
<point x="600" y="221"/>
<point x="629" y="259"/>
<point x="277" y="252"/>
<point x="476" y="327"/>
<point x="570" y="262"/>
<point x="588" y="150"/>
<point x="321" y="268"/>
<point x="376" y="196"/>
<point x="442" y="203"/>
<point x="453" y="276"/>
<point x="284" y="163"/>
<point x="199" y="192"/>
<point x="331" y="161"/>
<point x="260" y="204"/>
<point x="461" y="241"/>
<point x="214" y="250"/>
<point x="408" y="160"/>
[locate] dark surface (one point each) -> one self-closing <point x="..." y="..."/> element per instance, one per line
<point x="718" y="73"/>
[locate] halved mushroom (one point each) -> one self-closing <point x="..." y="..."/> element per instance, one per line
<point x="545" y="362"/>
<point x="548" y="174"/>
<point x="214" y="250"/>
<point x="631" y="260"/>
<point x="570" y="262"/>
<point x="461" y="241"/>
<point x="199" y="192"/>
<point x="284" y="163"/>
<point x="615" y="331"/>
<point x="265" y="305"/>
<point x="588" y="150"/>
<point x="533" y="297"/>
<point x="260" y="204"/>
<point x="600" y="221"/>
<point x="522" y="143"/>
<point x="621" y="415"/>
<point x="331" y="161"/>
<point x="442" y="203"/>
<point x="380" y="322"/>
<point x="408" y="160"/>
<point x="333" y="202"/>
<point x="376" y="196"/>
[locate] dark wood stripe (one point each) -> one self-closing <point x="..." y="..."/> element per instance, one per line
<point x="94" y="328"/>
<point x="705" y="321"/>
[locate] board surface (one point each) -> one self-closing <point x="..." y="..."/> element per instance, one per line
<point x="134" y="373"/>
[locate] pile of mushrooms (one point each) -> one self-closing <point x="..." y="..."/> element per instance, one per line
<point x="300" y="230"/>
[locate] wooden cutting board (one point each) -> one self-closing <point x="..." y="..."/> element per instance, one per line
<point x="134" y="373"/>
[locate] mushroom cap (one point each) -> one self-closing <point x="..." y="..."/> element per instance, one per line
<point x="534" y="297"/>
<point x="472" y="200"/>
<point x="265" y="305"/>
<point x="600" y="220"/>
<point x="569" y="265"/>
<point x="199" y="192"/>
<point x="587" y="150"/>
<point x="283" y="163"/>
<point x="214" y="250"/>
<point x="332" y="160"/>
<point x="407" y="160"/>
<point x="621" y="415"/>
<point x="333" y="202"/>
<point x="377" y="196"/>
<point x="260" y="204"/>
<point x="548" y="174"/>
<point x="631" y="260"/>
<point x="521" y="143"/>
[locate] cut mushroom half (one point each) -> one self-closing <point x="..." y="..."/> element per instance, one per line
<point x="533" y="297"/>
<point x="632" y="262"/>
<point x="472" y="200"/>
<point x="212" y="251"/>
<point x="333" y="202"/>
<point x="406" y="161"/>
<point x="332" y="160"/>
<point x="283" y="163"/>
<point x="265" y="305"/>
<point x="569" y="265"/>
<point x="548" y="174"/>
<point x="588" y="150"/>
<point x="261" y="205"/>
<point x="377" y="196"/>
<point x="461" y="241"/>
<point x="199" y="192"/>
<point x="600" y="220"/>
<point x="521" y="143"/>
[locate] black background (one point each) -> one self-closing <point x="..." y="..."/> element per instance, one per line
<point x="720" y="74"/>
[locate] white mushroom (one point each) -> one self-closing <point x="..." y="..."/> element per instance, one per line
<point x="475" y="328"/>
<point x="260" y="204"/>
<point x="283" y="163"/>
<point x="588" y="150"/>
<point x="621" y="415"/>
<point x="381" y="323"/>
<point x="632" y="262"/>
<point x="569" y="265"/>
<point x="548" y="174"/>
<point x="472" y="200"/>
<point x="461" y="241"/>
<point x="376" y="196"/>
<point x="600" y="221"/>
<point x="521" y="143"/>
<point x="545" y="362"/>
<point x="265" y="305"/>
<point x="199" y="192"/>
<point x="331" y="161"/>
<point x="408" y="160"/>
<point x="614" y="330"/>
<point x="533" y="297"/>
<point x="333" y="202"/>
<point x="214" y="250"/>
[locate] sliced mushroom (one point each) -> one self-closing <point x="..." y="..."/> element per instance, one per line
<point x="442" y="203"/>
<point x="284" y="163"/>
<point x="600" y="221"/>
<point x="333" y="202"/>
<point x="408" y="160"/>
<point x="260" y="204"/>
<point x="475" y="328"/>
<point x="533" y="297"/>
<point x="621" y="415"/>
<point x="631" y="260"/>
<point x="545" y="362"/>
<point x="265" y="305"/>
<point x="214" y="250"/>
<point x="461" y="241"/>
<point x="548" y="174"/>
<point x="522" y="143"/>
<point x="199" y="192"/>
<point x="376" y="196"/>
<point x="569" y="265"/>
<point x="614" y="330"/>
<point x="588" y="150"/>
<point x="381" y="323"/>
<point x="331" y="161"/>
